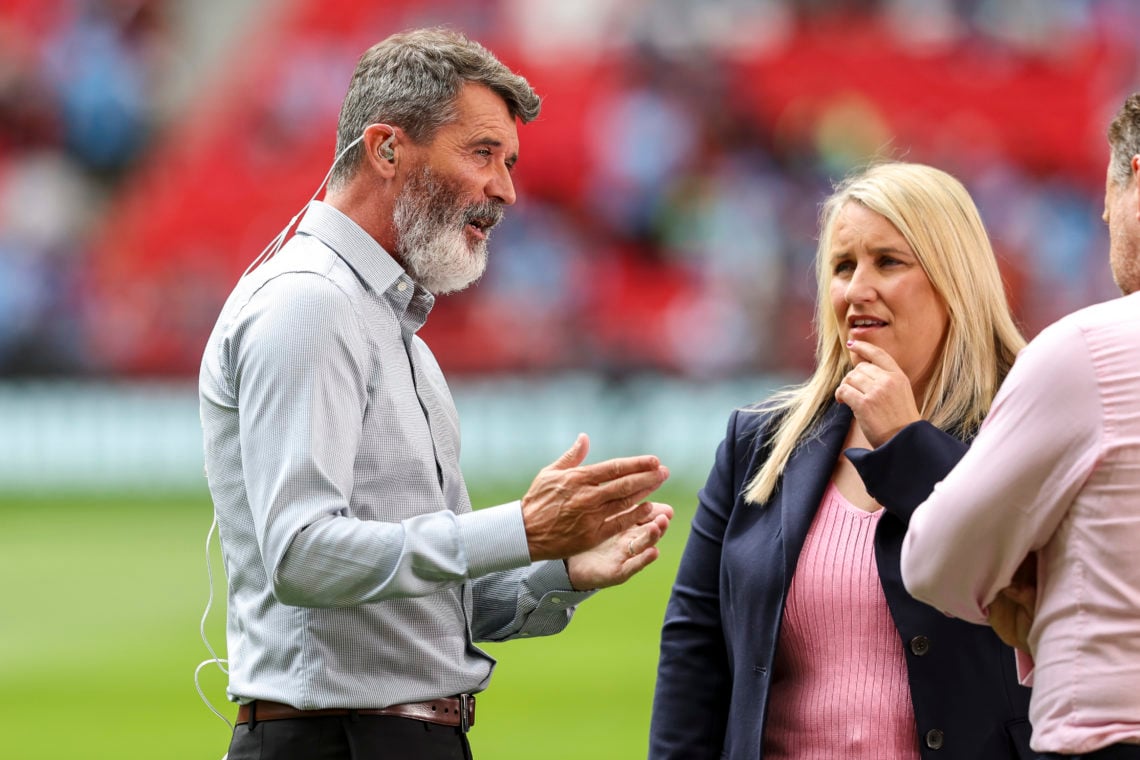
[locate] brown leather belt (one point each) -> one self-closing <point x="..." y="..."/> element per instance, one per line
<point x="449" y="711"/>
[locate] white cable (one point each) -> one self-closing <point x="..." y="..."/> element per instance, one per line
<point x="214" y="659"/>
<point x="202" y="694"/>
<point x="275" y="244"/>
<point x="210" y="600"/>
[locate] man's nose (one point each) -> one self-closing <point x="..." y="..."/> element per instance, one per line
<point x="501" y="187"/>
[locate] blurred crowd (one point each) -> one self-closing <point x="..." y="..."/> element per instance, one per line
<point x="668" y="194"/>
<point x="78" y="106"/>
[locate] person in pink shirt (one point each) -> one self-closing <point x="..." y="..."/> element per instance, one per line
<point x="789" y="634"/>
<point x="1044" y="509"/>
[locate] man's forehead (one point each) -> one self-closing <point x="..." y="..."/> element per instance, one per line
<point x="486" y="129"/>
<point x="480" y="98"/>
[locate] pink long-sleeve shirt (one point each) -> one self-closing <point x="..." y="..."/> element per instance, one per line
<point x="1054" y="470"/>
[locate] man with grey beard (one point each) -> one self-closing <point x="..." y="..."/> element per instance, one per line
<point x="359" y="576"/>
<point x="430" y="218"/>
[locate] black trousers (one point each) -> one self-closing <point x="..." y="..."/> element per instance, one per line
<point x="361" y="737"/>
<point x="1111" y="752"/>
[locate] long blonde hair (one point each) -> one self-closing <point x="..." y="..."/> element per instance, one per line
<point x="940" y="222"/>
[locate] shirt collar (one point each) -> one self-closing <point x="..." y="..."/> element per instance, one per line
<point x="373" y="265"/>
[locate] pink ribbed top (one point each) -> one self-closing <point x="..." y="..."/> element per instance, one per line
<point x="839" y="684"/>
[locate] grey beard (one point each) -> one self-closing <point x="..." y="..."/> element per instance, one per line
<point x="432" y="244"/>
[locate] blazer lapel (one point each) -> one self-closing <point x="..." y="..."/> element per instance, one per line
<point x="806" y="477"/>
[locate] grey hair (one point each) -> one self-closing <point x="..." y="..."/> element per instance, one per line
<point x="412" y="80"/>
<point x="1124" y="139"/>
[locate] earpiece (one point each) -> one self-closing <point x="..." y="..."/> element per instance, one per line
<point x="385" y="150"/>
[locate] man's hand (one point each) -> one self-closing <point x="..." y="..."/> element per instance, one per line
<point x="1012" y="610"/>
<point x="878" y="392"/>
<point x="571" y="508"/>
<point x="620" y="557"/>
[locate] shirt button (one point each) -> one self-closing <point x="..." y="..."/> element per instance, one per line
<point x="934" y="738"/>
<point x="556" y="600"/>
<point x="920" y="645"/>
<point x="402" y="287"/>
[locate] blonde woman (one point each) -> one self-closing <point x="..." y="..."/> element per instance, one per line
<point x="789" y="633"/>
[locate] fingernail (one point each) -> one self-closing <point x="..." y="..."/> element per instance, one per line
<point x="850" y="343"/>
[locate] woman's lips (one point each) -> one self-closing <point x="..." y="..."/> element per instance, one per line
<point x="863" y="326"/>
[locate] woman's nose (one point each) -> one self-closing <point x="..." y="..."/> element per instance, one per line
<point x="861" y="287"/>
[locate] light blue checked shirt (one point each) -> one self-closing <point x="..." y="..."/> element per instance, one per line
<point x="358" y="575"/>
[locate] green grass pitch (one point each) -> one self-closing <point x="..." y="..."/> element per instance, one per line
<point x="99" y="641"/>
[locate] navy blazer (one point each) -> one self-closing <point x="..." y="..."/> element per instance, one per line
<point x="719" y="638"/>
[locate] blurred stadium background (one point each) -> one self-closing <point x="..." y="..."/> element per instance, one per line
<point x="655" y="272"/>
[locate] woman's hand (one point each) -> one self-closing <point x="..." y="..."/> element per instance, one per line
<point x="878" y="393"/>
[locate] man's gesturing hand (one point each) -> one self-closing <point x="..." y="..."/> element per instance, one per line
<point x="571" y="507"/>
<point x="620" y="557"/>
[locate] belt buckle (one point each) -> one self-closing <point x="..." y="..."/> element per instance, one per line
<point x="464" y="716"/>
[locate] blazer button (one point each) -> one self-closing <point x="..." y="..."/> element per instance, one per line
<point x="934" y="738"/>
<point x="920" y="645"/>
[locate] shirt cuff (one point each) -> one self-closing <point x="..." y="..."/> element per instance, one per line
<point x="550" y="577"/>
<point x="494" y="539"/>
